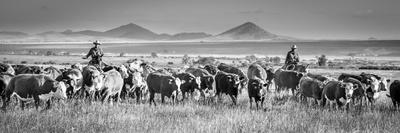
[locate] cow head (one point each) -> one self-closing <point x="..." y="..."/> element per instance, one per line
<point x="175" y="83"/>
<point x="123" y="71"/>
<point x="206" y="82"/>
<point x="383" y="84"/>
<point x="257" y="85"/>
<point x="211" y="69"/>
<point x="374" y="84"/>
<point x="349" y="89"/>
<point x="59" y="89"/>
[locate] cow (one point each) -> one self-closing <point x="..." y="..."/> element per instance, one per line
<point x="5" y="78"/>
<point x="257" y="83"/>
<point x="338" y="92"/>
<point x="374" y="89"/>
<point x="73" y="79"/>
<point x="91" y="81"/>
<point x="359" y="90"/>
<point x="394" y="93"/>
<point x="6" y="68"/>
<point x="270" y="73"/>
<point x="358" y="77"/>
<point x="121" y="69"/>
<point x="227" y="83"/>
<point x="190" y="83"/>
<point x="289" y="80"/>
<point x="52" y="72"/>
<point x="207" y="82"/>
<point x="77" y="66"/>
<point x="111" y="85"/>
<point x="167" y="85"/>
<point x="312" y="88"/>
<point x="134" y="84"/>
<point x="318" y="77"/>
<point x="33" y="87"/>
<point x="23" y="69"/>
<point x="211" y="69"/>
<point x="230" y="69"/>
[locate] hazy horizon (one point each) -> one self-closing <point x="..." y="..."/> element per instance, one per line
<point x="306" y="19"/>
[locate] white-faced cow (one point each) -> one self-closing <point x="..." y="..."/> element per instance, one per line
<point x="33" y="87"/>
<point x="167" y="85"/>
<point x="190" y="83"/>
<point x="227" y="83"/>
<point x="92" y="81"/>
<point x="257" y="84"/>
<point x="337" y="92"/>
<point x="6" y="68"/>
<point x="207" y="82"/>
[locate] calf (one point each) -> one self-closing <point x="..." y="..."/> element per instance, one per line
<point x="256" y="90"/>
<point x="28" y="87"/>
<point x="257" y="81"/>
<point x="312" y="88"/>
<point x="227" y="83"/>
<point x="337" y="92"/>
<point x="167" y="85"/>
<point x="395" y="93"/>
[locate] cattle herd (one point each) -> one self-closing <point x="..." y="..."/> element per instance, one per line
<point x="140" y="80"/>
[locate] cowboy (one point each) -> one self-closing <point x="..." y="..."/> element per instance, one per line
<point x="292" y="57"/>
<point x="96" y="53"/>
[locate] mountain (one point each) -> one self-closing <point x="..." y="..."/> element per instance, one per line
<point x="247" y="31"/>
<point x="12" y="33"/>
<point x="189" y="36"/>
<point x="132" y="31"/>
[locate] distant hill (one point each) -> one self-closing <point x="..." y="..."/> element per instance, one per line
<point x="12" y="33"/>
<point x="249" y="31"/>
<point x="189" y="36"/>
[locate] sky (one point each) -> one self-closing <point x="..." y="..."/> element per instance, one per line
<point x="307" y="19"/>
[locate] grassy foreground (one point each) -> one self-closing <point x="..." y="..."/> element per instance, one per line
<point x="282" y="113"/>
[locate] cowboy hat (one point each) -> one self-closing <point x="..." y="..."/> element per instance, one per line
<point x="96" y="42"/>
<point x="294" y="47"/>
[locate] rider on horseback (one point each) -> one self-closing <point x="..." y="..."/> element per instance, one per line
<point x="96" y="53"/>
<point x="292" y="58"/>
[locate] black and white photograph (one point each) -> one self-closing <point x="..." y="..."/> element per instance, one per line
<point x="180" y="66"/>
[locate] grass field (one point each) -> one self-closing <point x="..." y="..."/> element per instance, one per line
<point x="282" y="113"/>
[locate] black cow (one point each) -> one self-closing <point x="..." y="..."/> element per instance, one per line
<point x="337" y="92"/>
<point x="230" y="69"/>
<point x="189" y="83"/>
<point x="395" y="93"/>
<point x="206" y="79"/>
<point x="28" y="87"/>
<point x="310" y="87"/>
<point x="289" y="80"/>
<point x="257" y="81"/>
<point x="211" y="69"/>
<point x="165" y="84"/>
<point x="227" y="83"/>
<point x="23" y="69"/>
